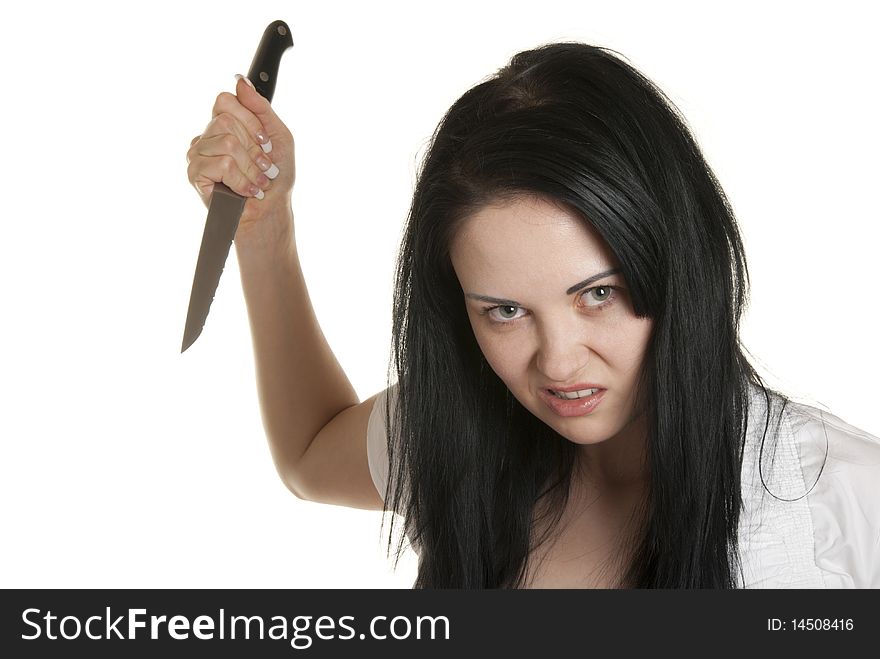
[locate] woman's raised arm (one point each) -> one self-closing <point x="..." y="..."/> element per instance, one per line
<point x="314" y="423"/>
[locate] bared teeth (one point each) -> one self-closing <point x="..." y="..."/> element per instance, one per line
<point x="572" y="395"/>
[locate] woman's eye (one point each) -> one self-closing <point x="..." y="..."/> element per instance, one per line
<point x="504" y="313"/>
<point x="598" y="295"/>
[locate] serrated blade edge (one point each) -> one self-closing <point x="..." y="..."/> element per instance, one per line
<point x="224" y="212"/>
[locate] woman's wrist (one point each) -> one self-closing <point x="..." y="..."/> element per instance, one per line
<point x="270" y="237"/>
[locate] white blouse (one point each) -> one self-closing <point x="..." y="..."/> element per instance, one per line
<point x="808" y="533"/>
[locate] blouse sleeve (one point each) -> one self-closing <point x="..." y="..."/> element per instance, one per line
<point x="811" y="495"/>
<point x="377" y="441"/>
<point x="845" y="502"/>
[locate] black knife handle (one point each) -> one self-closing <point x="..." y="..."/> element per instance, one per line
<point x="264" y="68"/>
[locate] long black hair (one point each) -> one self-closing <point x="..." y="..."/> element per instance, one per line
<point x="577" y="125"/>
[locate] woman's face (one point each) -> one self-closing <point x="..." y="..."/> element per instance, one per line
<point x="550" y="312"/>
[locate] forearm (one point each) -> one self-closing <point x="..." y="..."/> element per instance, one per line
<point x="300" y="383"/>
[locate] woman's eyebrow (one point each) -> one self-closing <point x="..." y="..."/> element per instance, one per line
<point x="569" y="291"/>
<point x="590" y="280"/>
<point x="493" y="300"/>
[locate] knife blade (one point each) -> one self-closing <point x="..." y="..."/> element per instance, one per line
<point x="226" y="206"/>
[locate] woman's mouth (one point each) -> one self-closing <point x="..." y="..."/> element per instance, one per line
<point x="577" y="402"/>
<point x="571" y="395"/>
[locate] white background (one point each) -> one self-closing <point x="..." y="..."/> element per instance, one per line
<point x="127" y="464"/>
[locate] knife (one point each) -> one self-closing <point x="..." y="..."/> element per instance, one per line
<point x="226" y="206"/>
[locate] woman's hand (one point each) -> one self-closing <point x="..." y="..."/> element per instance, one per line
<point x="248" y="148"/>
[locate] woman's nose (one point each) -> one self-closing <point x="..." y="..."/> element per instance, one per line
<point x="562" y="356"/>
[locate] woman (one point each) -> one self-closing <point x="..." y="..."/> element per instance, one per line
<point x="572" y="406"/>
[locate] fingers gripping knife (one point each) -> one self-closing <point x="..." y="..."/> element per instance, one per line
<point x="226" y="206"/>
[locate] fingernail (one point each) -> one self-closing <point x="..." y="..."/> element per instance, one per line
<point x="262" y="181"/>
<point x="263" y="163"/>
<point x="260" y="194"/>
<point x="238" y="76"/>
<point x="261" y="137"/>
<point x="272" y="172"/>
<point x="267" y="147"/>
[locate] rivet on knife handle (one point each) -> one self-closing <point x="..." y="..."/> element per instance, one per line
<point x="226" y="206"/>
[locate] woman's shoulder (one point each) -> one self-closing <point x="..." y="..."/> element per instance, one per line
<point x="815" y="431"/>
<point x="824" y="474"/>
<point x="841" y="450"/>
<point x="852" y="444"/>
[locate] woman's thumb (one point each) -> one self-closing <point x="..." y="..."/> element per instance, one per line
<point x="249" y="97"/>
